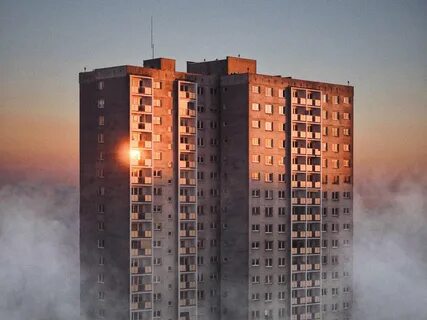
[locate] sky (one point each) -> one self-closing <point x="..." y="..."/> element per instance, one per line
<point x="379" y="46"/>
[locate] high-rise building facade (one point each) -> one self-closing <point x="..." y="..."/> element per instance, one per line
<point x="218" y="193"/>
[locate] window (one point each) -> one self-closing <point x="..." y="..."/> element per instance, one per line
<point x="256" y="124"/>
<point x="334" y="227"/>
<point x="255" y="107"/>
<point x="256" y="158"/>
<point x="282" y="211"/>
<point x="346" y="100"/>
<point x="256" y="211"/>
<point x="101" y="103"/>
<point x="281" y="194"/>
<point x="325" y="131"/>
<point x="255" y="245"/>
<point x="157" y="85"/>
<point x="101" y="244"/>
<point x="268" y="296"/>
<point x="268" y="126"/>
<point x="269" y="143"/>
<point x="268" y="211"/>
<point x="346" y="163"/>
<point x="281" y="245"/>
<point x="268" y="109"/>
<point x="268" y="160"/>
<point x="324" y="114"/>
<point x="282" y="110"/>
<point x="335" y="147"/>
<point x="324" y="146"/>
<point x="256" y="89"/>
<point x="101" y="120"/>
<point x="255" y="262"/>
<point x="101" y="295"/>
<point x="335" y="163"/>
<point x="281" y="177"/>
<point x="256" y="193"/>
<point x="255" y="228"/>
<point x="256" y="141"/>
<point x="346" y="147"/>
<point x="335" y="115"/>
<point x="281" y="228"/>
<point x="268" y="228"/>
<point x="324" y="163"/>
<point x="269" y="262"/>
<point x="268" y="92"/>
<point x="282" y="262"/>
<point x="268" y="194"/>
<point x="100" y="173"/>
<point x="100" y="278"/>
<point x="255" y="176"/>
<point x="101" y="226"/>
<point x="324" y="98"/>
<point x="346" y="131"/>
<point x="335" y="132"/>
<point x="346" y="116"/>
<point x="335" y="99"/>
<point x="268" y="245"/>
<point x="100" y="138"/>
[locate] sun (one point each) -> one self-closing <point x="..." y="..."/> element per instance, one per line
<point x="135" y="154"/>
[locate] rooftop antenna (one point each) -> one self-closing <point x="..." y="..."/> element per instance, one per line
<point x="152" y="38"/>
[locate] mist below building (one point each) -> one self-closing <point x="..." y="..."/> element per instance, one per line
<point x="39" y="267"/>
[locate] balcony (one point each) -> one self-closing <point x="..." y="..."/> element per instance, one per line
<point x="185" y="112"/>
<point x="141" y="216"/>
<point x="141" y="270"/>
<point x="187" y="216"/>
<point x="298" y="184"/>
<point x="187" y="233"/>
<point x="187" y="182"/>
<point x="141" y="198"/>
<point x="187" y="130"/>
<point x="298" y="150"/>
<point x="145" y="90"/>
<point x="141" y="252"/>
<point x="141" y="180"/>
<point x="147" y="305"/>
<point x="141" y="234"/>
<point x="187" y="302"/>
<point x="187" y="199"/>
<point x="142" y="108"/>
<point x="187" y="285"/>
<point x="187" y="95"/>
<point x="187" y="147"/>
<point x="142" y="126"/>
<point x="187" y="164"/>
<point x="141" y="144"/>
<point x="187" y="268"/>
<point x="299" y="117"/>
<point x="191" y="250"/>
<point x="142" y="287"/>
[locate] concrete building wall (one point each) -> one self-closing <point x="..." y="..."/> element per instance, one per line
<point x="244" y="170"/>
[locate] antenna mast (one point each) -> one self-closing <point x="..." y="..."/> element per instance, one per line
<point x="152" y="38"/>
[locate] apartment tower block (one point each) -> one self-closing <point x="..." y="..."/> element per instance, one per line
<point x="216" y="193"/>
